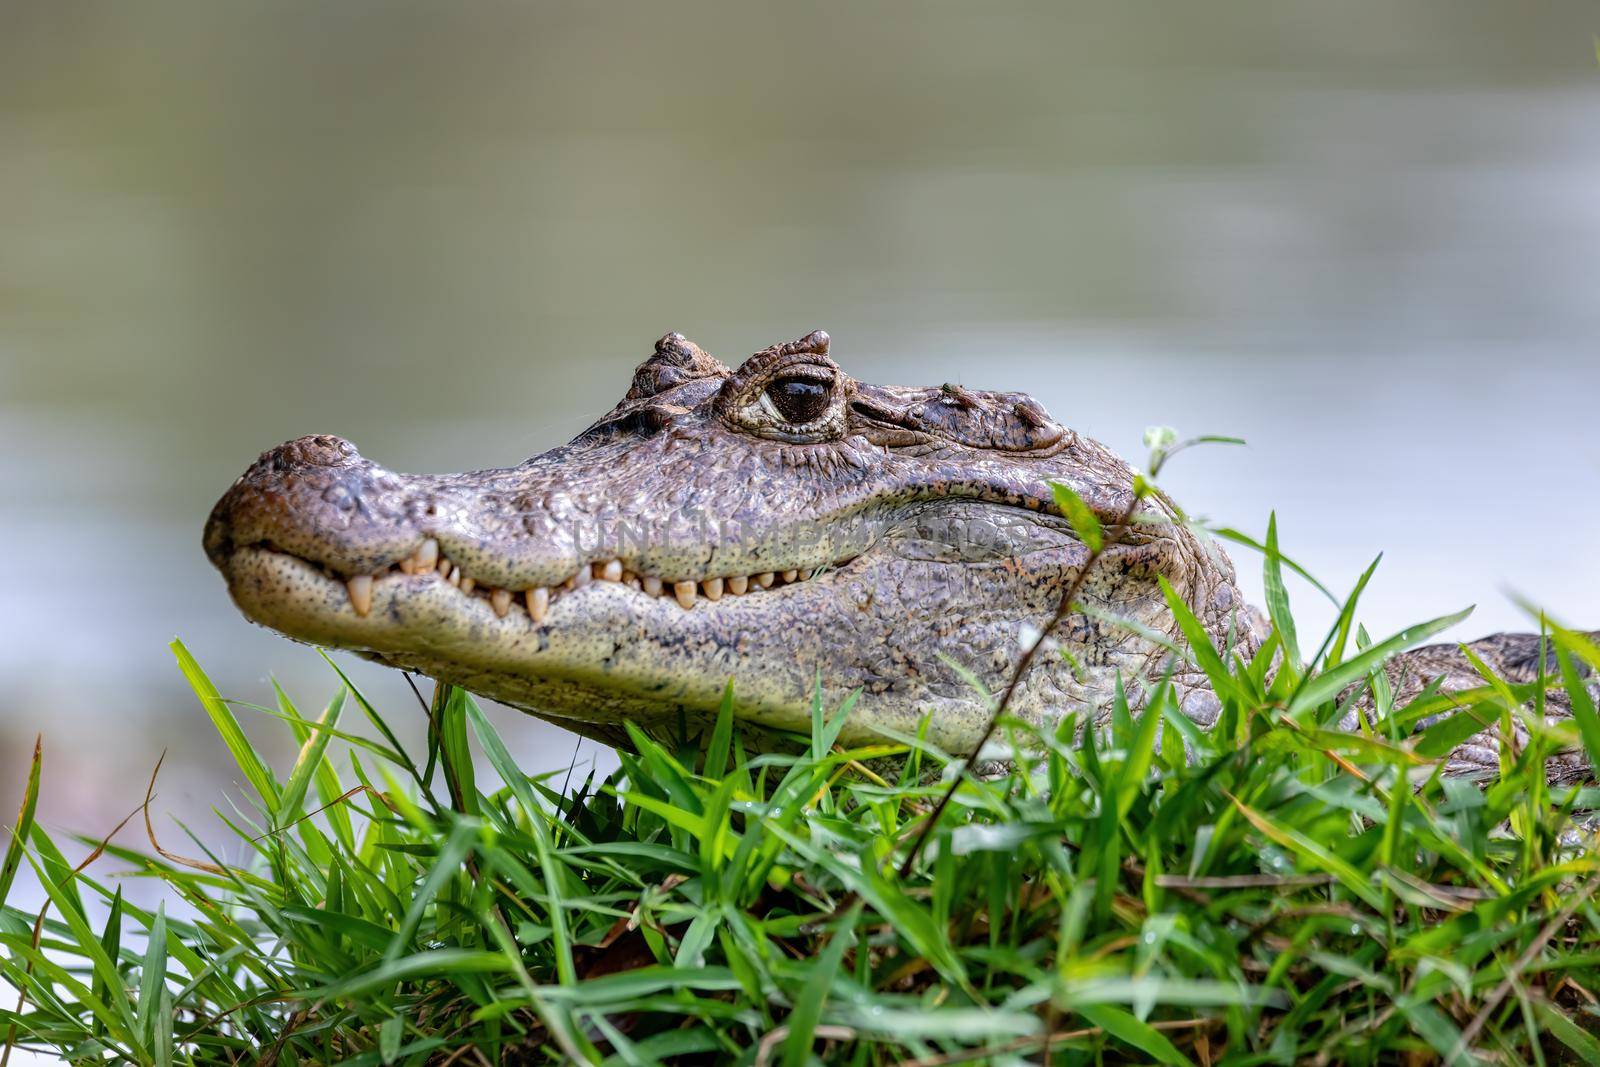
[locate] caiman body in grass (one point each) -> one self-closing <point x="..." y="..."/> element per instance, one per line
<point x="781" y="525"/>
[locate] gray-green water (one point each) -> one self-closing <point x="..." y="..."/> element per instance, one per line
<point x="1364" y="236"/>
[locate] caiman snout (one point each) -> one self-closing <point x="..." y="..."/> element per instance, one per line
<point x="317" y="498"/>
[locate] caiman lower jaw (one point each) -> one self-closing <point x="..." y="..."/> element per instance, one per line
<point x="423" y="603"/>
<point x="602" y="652"/>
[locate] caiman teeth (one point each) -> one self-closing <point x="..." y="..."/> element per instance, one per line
<point x="428" y="560"/>
<point x="538" y="603"/>
<point x="360" y="588"/>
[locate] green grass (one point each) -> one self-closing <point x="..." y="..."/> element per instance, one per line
<point x="1270" y="891"/>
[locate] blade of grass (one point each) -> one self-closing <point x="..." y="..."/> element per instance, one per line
<point x="1277" y="595"/>
<point x="807" y="1011"/>
<point x="308" y="762"/>
<point x="222" y="718"/>
<point x="500" y="758"/>
<point x="1329" y="683"/>
<point x="21" y="829"/>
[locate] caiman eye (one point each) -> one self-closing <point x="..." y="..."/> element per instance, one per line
<point x="802" y="402"/>
<point x="799" y="400"/>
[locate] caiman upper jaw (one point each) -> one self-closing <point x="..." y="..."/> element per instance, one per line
<point x="317" y="500"/>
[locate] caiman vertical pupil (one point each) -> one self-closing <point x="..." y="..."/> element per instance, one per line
<point x="799" y="400"/>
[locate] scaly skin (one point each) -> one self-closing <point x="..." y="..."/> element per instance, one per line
<point x="917" y="524"/>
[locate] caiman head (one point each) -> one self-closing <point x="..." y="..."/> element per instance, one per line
<point x="782" y="526"/>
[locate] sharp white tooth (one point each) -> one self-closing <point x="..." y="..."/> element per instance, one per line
<point x="538" y="603"/>
<point x="427" y="557"/>
<point x="454" y="577"/>
<point x="652" y="584"/>
<point x="467" y="584"/>
<point x="712" y="588"/>
<point x="790" y="576"/>
<point x="684" y="591"/>
<point x="408" y="565"/>
<point x="738" y="585"/>
<point x="611" y="571"/>
<point x="582" y="578"/>
<point x="360" y="588"/>
<point x="633" y="583"/>
<point x="765" y="579"/>
<point x="500" y="600"/>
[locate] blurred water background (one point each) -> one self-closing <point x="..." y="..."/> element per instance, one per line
<point x="1364" y="236"/>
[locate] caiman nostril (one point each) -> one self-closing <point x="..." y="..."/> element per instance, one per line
<point x="315" y="450"/>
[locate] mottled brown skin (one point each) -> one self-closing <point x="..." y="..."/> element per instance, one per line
<point x="1515" y="658"/>
<point x="924" y="519"/>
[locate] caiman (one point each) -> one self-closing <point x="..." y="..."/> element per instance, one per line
<point x="781" y="525"/>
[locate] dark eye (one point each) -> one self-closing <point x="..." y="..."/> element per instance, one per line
<point x="799" y="400"/>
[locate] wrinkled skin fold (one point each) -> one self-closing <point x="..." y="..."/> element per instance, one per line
<point x="780" y="525"/>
